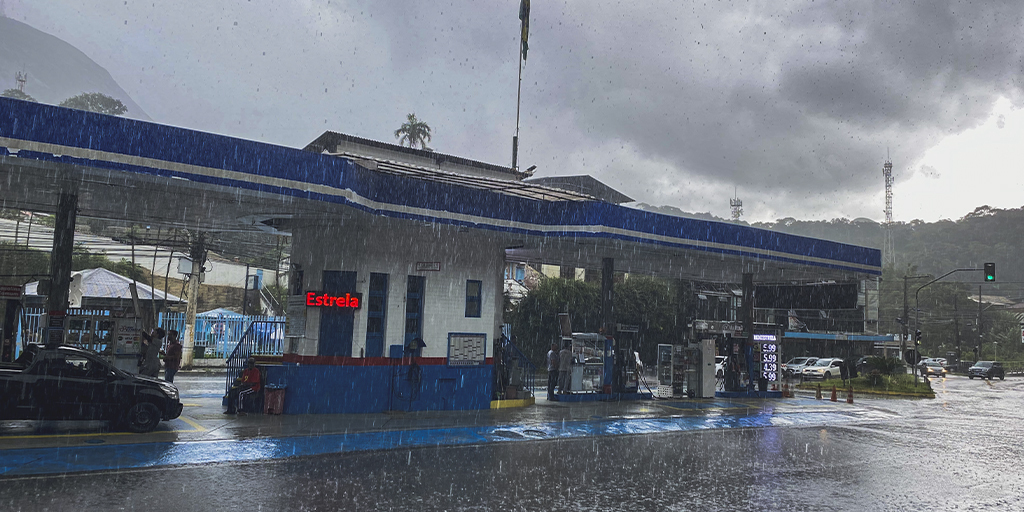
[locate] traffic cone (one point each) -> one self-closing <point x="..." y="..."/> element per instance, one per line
<point x="849" y="396"/>
<point x="817" y="394"/>
<point x="834" y="399"/>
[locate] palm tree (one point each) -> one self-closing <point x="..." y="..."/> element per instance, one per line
<point x="413" y="132"/>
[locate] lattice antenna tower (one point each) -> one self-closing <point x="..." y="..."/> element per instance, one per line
<point x="736" y="205"/>
<point x="21" y="78"/>
<point x="888" y="248"/>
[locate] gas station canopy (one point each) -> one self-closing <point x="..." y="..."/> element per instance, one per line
<point x="135" y="171"/>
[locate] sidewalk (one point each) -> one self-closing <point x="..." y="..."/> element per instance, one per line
<point x="203" y="434"/>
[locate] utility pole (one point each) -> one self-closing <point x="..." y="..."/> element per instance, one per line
<point x="245" y="291"/>
<point x="979" y="322"/>
<point x="197" y="251"/>
<point x="956" y="325"/>
<point x="906" y="317"/>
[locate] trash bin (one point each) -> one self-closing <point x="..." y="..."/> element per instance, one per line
<point x="199" y="352"/>
<point x="273" y="399"/>
<point x="762" y="384"/>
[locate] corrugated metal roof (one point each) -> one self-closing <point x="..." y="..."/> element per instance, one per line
<point x="100" y="283"/>
<point x="507" y="187"/>
<point x="328" y="141"/>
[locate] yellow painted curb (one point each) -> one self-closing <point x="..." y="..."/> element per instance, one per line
<point x="875" y="392"/>
<point x="509" y="404"/>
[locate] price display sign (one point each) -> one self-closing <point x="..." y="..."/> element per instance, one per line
<point x="770" y="362"/>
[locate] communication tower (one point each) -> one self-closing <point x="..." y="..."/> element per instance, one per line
<point x="736" y="205"/>
<point x="21" y="78"/>
<point x="888" y="248"/>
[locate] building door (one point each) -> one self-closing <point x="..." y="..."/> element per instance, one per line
<point x="414" y="309"/>
<point x="376" y="313"/>
<point x="336" y="323"/>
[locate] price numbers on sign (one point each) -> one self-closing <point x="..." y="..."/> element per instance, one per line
<point x="770" y="362"/>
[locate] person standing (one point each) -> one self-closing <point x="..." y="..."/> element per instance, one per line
<point x="553" y="364"/>
<point x="564" y="368"/>
<point x="151" y="345"/>
<point x="172" y="356"/>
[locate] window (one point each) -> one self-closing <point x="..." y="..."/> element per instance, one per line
<point x="376" y="315"/>
<point x="473" y="293"/>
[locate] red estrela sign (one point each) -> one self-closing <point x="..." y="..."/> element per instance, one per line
<point x="326" y="300"/>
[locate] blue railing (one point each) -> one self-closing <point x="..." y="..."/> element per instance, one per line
<point x="263" y="337"/>
<point x="513" y="368"/>
<point x="216" y="336"/>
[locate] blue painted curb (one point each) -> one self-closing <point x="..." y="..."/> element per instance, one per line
<point x="62" y="460"/>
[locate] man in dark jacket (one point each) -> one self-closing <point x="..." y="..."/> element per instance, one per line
<point x="553" y="362"/>
<point x="172" y="357"/>
<point x="151" y="345"/>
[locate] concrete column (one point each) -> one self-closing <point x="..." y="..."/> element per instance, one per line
<point x="60" y="257"/>
<point x="608" y="295"/>
<point x="197" y="251"/>
<point x="748" y="327"/>
<point x="747" y="315"/>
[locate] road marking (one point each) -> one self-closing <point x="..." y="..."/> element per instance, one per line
<point x="198" y="427"/>
<point x="53" y="436"/>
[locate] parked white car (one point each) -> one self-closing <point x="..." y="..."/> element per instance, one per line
<point x="796" y="365"/>
<point x="825" y="369"/>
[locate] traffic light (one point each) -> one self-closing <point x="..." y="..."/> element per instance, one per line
<point x="917" y="337"/>
<point x="990" y="272"/>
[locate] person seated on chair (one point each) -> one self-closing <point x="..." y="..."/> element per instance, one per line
<point x="246" y="384"/>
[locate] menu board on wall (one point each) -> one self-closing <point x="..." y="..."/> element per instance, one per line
<point x="467" y="349"/>
<point x="296" y="325"/>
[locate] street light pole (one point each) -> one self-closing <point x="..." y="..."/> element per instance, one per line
<point x="906" y="317"/>
<point x="917" y="303"/>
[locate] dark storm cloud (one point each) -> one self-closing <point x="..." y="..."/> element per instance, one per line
<point x="801" y="96"/>
<point x="795" y="103"/>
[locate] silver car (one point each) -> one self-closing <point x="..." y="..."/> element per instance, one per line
<point x="796" y="365"/>
<point x="824" y="369"/>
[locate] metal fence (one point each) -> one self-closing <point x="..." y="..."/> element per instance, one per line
<point x="512" y="369"/>
<point x="216" y="337"/>
<point x="262" y="337"/>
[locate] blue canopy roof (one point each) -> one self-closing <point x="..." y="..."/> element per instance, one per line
<point x="45" y="133"/>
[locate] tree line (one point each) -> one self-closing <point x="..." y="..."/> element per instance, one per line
<point x="91" y="101"/>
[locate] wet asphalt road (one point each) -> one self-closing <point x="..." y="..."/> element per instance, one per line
<point x="961" y="451"/>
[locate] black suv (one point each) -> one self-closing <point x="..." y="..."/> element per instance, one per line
<point x="67" y="383"/>
<point x="987" y="370"/>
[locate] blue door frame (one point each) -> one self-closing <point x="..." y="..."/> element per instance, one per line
<point x="414" y="309"/>
<point x="336" y="323"/>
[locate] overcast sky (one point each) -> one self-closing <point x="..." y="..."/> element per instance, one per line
<point x="791" y="104"/>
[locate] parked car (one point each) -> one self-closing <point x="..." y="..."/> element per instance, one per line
<point x="933" y="367"/>
<point x="68" y="383"/>
<point x="796" y="365"/>
<point x="825" y="369"/>
<point x="987" y="370"/>
<point x="862" y="364"/>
